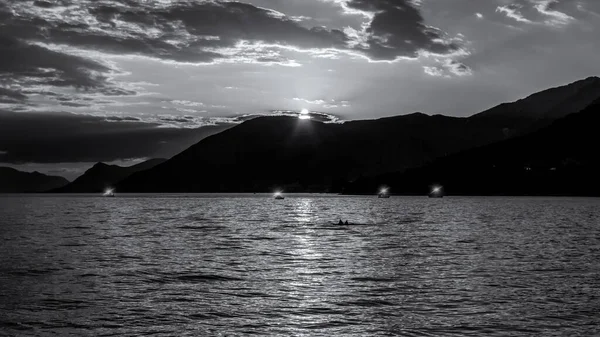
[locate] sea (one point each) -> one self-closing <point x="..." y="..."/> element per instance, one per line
<point x="243" y="265"/>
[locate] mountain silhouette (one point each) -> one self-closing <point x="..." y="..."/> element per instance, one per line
<point x="560" y="159"/>
<point x="15" y="181"/>
<point x="102" y="176"/>
<point x="302" y="155"/>
<point x="267" y="153"/>
<point x="270" y="153"/>
<point x="540" y="109"/>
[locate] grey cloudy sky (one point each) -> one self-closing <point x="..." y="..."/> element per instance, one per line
<point x="185" y="64"/>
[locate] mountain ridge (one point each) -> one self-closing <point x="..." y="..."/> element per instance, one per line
<point x="283" y="152"/>
<point x="556" y="160"/>
<point x="15" y="181"/>
<point x="311" y="153"/>
<point x="102" y="176"/>
<point x="559" y="97"/>
<point x="267" y="153"/>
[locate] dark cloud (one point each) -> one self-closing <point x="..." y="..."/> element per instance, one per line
<point x="177" y="119"/>
<point x="25" y="67"/>
<point x="56" y="138"/>
<point x="74" y="104"/>
<point x="46" y="44"/>
<point x="11" y="96"/>
<point x="43" y="4"/>
<point x="36" y="44"/>
<point x="183" y="31"/>
<point x="43" y="66"/>
<point x="197" y="31"/>
<point x="122" y="119"/>
<point x="113" y="91"/>
<point x="398" y="29"/>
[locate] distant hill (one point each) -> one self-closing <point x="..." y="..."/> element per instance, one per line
<point x="14" y="181"/>
<point x="102" y="176"/>
<point x="561" y="159"/>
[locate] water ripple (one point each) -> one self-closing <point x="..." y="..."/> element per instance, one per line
<point x="182" y="265"/>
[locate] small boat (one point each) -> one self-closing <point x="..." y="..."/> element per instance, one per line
<point x="279" y="196"/>
<point x="109" y="193"/>
<point x="384" y="193"/>
<point x="436" y="192"/>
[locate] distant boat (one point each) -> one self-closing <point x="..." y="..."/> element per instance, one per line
<point x="279" y="196"/>
<point x="384" y="193"/>
<point x="109" y="193"/>
<point x="436" y="192"/>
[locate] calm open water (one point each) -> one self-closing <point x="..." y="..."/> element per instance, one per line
<point x="241" y="265"/>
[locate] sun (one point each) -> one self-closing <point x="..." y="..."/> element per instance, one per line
<point x="304" y="114"/>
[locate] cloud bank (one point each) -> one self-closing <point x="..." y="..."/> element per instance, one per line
<point x="60" y="43"/>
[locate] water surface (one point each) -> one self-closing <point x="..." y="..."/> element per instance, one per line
<point x="181" y="265"/>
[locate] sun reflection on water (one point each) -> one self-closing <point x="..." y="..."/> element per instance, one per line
<point x="304" y="212"/>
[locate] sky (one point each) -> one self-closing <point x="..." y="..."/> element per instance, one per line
<point x="119" y="81"/>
